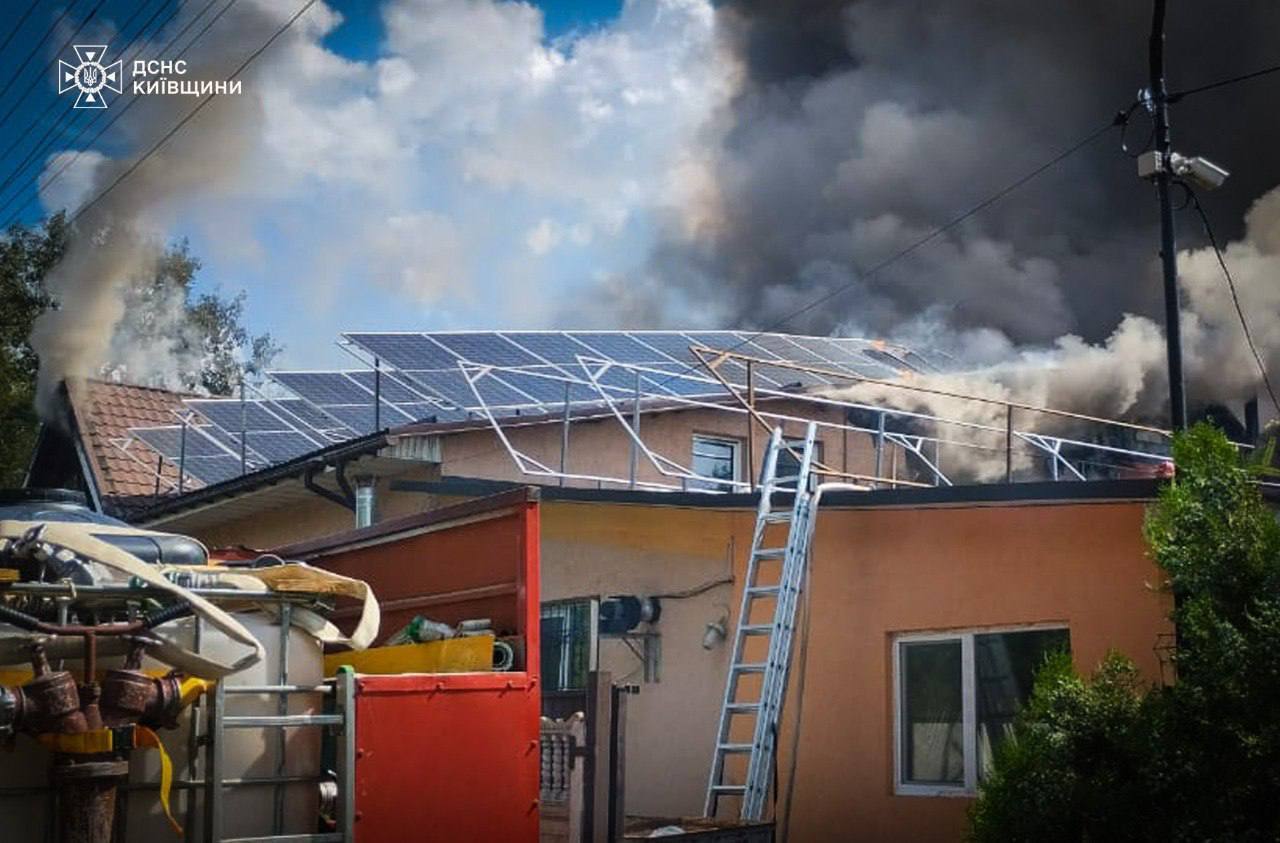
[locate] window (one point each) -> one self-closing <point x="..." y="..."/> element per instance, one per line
<point x="568" y="643"/>
<point x="957" y="696"/>
<point x="789" y="466"/>
<point x="715" y="457"/>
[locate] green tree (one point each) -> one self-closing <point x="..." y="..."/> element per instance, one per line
<point x="1115" y="758"/>
<point x="199" y="334"/>
<point x="26" y="256"/>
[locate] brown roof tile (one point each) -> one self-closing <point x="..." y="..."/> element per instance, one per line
<point x="104" y="412"/>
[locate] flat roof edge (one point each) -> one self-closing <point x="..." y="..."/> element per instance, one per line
<point x="1142" y="489"/>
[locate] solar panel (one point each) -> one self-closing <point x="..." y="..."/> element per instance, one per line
<point x="487" y="348"/>
<point x="452" y="386"/>
<point x="200" y="456"/>
<point x="786" y="349"/>
<point x="323" y="388"/>
<point x="406" y="351"/>
<point x="620" y="347"/>
<point x="552" y="346"/>
<point x="672" y="344"/>
<point x="388" y="387"/>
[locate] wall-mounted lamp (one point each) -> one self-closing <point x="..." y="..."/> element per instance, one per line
<point x="716" y="632"/>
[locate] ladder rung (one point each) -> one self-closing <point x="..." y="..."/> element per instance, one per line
<point x="740" y="707"/>
<point x="730" y="788"/>
<point x="753" y="667"/>
<point x="755" y="629"/>
<point x="782" y="516"/>
<point x="259" y="721"/>
<point x="790" y="478"/>
<point x="771" y="553"/>
<point x="279" y="689"/>
<point x="764" y="590"/>
<point x="734" y="747"/>
<point x="328" y="837"/>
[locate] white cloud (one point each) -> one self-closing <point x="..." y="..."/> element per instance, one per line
<point x="543" y="237"/>
<point x="434" y="170"/>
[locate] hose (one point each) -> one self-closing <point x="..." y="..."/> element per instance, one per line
<point x="169" y="613"/>
<point x="19" y="619"/>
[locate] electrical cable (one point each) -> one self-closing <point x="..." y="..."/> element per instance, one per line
<point x="45" y="142"/>
<point x="83" y="209"/>
<point x="53" y="62"/>
<point x="118" y="114"/>
<point x="1221" y="83"/>
<point x="1235" y="299"/>
<point x="19" y="24"/>
<point x="34" y="49"/>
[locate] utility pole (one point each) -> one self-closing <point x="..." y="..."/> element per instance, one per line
<point x="1159" y="106"/>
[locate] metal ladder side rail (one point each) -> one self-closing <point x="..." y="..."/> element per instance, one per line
<point x="774" y="682"/>
<point x="768" y="471"/>
<point x="342" y="687"/>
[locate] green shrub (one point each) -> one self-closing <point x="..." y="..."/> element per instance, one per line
<point x="1114" y="758"/>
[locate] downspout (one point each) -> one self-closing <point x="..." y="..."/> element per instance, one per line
<point x="309" y="481"/>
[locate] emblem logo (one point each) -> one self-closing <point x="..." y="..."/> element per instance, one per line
<point x="91" y="77"/>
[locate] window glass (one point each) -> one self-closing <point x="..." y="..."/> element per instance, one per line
<point x="1005" y="664"/>
<point x="932" y="713"/>
<point x="715" y="458"/>
<point x="566" y="642"/>
<point x="789" y="466"/>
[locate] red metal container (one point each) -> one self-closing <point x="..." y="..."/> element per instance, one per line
<point x="447" y="756"/>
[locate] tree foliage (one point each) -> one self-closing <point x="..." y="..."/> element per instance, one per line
<point x="197" y="338"/>
<point x="1115" y="758"/>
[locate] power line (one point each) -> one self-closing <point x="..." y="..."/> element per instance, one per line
<point x="118" y="114"/>
<point x="185" y="120"/>
<point x="34" y="49"/>
<point x="1235" y="299"/>
<point x="61" y="122"/>
<point x="1222" y="83"/>
<point x="52" y="62"/>
<point x="19" y="24"/>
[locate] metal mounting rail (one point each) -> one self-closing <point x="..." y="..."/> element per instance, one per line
<point x="764" y="711"/>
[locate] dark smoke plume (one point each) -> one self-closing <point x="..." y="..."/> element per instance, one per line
<point x="861" y="126"/>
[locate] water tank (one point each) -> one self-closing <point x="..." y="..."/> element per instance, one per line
<point x="248" y="810"/>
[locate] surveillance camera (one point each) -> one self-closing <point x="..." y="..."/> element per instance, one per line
<point x="1201" y="172"/>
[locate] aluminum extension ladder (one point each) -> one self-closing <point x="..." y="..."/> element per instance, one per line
<point x="342" y="722"/>
<point x="765" y="710"/>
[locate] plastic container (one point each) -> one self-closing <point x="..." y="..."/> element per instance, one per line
<point x="249" y="753"/>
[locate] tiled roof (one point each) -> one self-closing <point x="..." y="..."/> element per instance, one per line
<point x="104" y="412"/>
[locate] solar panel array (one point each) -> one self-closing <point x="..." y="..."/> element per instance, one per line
<point x="452" y="376"/>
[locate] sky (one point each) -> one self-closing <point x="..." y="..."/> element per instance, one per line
<point x="485" y="164"/>
<point x="334" y="244"/>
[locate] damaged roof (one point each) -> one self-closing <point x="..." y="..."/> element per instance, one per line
<point x="100" y="414"/>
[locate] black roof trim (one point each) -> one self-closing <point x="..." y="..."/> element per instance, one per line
<point x="993" y="493"/>
<point x="268" y="476"/>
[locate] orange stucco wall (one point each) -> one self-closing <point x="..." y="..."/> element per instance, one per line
<point x="877" y="571"/>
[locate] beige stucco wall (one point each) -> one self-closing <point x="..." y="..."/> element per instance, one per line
<point x="601" y="448"/>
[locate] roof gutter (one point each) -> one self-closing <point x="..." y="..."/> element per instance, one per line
<point x="305" y="467"/>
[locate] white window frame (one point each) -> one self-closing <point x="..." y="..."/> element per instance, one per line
<point x="735" y="446"/>
<point x="968" y="704"/>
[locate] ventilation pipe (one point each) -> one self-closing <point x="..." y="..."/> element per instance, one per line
<point x="366" y="501"/>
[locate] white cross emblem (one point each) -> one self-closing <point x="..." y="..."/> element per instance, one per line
<point x="91" y="76"/>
